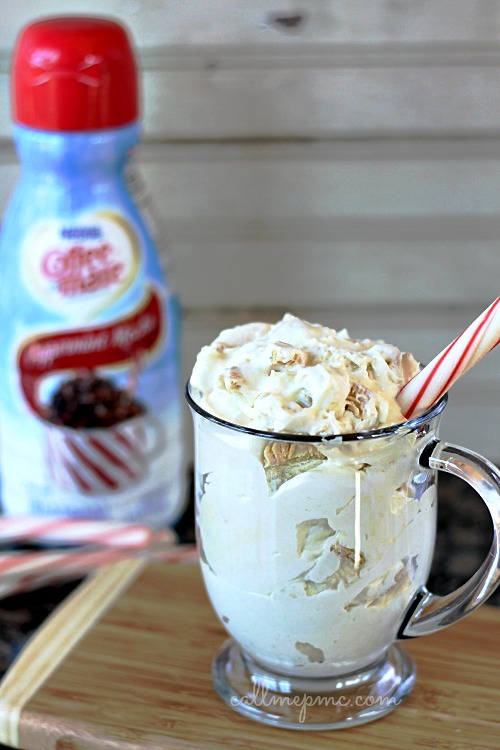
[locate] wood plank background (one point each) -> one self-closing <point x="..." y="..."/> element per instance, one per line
<point x="345" y="166"/>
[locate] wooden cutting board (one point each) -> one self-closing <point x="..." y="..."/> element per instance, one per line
<point x="124" y="664"/>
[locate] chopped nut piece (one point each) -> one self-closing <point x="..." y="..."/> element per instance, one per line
<point x="233" y="380"/>
<point x="286" y="354"/>
<point x="393" y="359"/>
<point x="408" y="366"/>
<point x="304" y="398"/>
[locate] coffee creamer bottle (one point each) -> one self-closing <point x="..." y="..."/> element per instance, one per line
<point x="90" y="421"/>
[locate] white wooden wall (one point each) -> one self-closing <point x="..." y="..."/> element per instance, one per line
<point x="338" y="159"/>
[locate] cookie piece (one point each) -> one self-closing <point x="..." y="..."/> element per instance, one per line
<point x="283" y="461"/>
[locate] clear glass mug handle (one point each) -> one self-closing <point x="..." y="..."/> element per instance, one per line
<point x="429" y="612"/>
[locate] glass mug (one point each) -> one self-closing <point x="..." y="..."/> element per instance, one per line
<point x="315" y="555"/>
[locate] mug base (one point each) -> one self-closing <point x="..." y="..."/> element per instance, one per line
<point x="314" y="704"/>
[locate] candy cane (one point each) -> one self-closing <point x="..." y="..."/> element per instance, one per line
<point x="26" y="571"/>
<point x="80" y="531"/>
<point x="101" y="543"/>
<point x="431" y="383"/>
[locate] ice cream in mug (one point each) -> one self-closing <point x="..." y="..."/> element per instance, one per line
<point x="315" y="515"/>
<point x="292" y="576"/>
<point x="301" y="378"/>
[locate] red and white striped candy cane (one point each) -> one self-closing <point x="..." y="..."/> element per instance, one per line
<point x="30" y="570"/>
<point x="80" y="531"/>
<point x="429" y="385"/>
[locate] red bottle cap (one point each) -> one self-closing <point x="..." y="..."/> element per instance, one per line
<point x="74" y="73"/>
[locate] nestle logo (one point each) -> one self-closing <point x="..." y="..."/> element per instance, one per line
<point x="81" y="233"/>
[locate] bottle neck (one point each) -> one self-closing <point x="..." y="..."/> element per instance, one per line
<point x="71" y="152"/>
